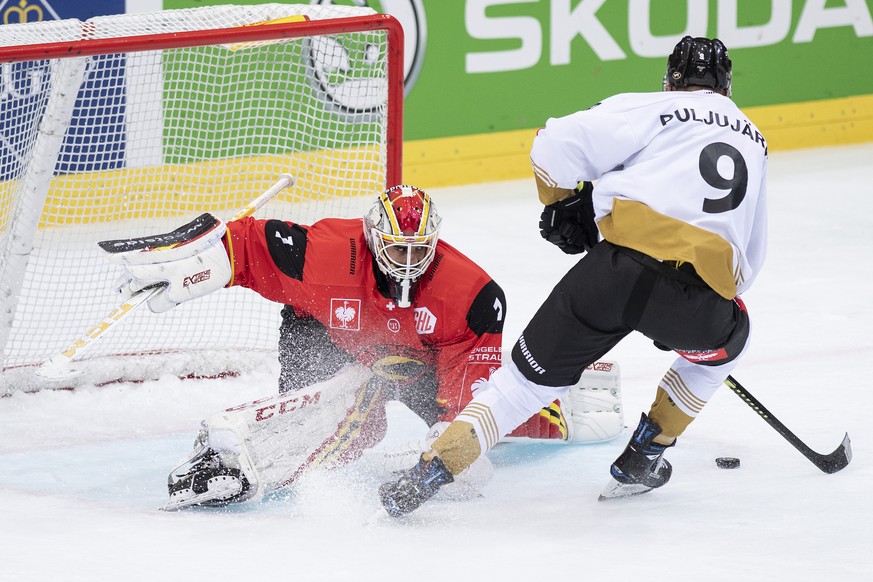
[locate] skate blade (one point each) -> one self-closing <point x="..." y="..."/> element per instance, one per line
<point x="218" y="488"/>
<point x="615" y="490"/>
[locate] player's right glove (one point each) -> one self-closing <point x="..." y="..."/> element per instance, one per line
<point x="569" y="224"/>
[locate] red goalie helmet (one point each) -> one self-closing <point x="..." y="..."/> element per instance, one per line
<point x="402" y="229"/>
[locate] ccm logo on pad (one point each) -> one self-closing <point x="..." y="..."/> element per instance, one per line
<point x="196" y="278"/>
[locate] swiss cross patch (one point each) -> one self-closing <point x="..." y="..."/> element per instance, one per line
<point x="345" y="314"/>
<point x="425" y="321"/>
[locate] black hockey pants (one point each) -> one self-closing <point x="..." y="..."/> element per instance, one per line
<point x="613" y="291"/>
<point x="307" y="355"/>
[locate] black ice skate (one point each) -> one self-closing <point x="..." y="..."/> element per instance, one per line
<point x="414" y="487"/>
<point x="641" y="467"/>
<point x="209" y="478"/>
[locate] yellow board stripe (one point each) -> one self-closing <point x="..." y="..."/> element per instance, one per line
<point x="284" y="20"/>
<point x="470" y="159"/>
<point x="175" y="190"/>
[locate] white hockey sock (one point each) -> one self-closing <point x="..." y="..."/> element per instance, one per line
<point x="507" y="400"/>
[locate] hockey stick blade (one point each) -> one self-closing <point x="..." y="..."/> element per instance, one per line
<point x="830" y="463"/>
<point x="59" y="367"/>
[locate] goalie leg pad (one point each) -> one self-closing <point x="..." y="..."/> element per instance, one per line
<point x="594" y="404"/>
<point x="549" y="423"/>
<point x="275" y="440"/>
<point x="590" y="412"/>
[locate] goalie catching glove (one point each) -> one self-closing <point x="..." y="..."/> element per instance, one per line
<point x="569" y="223"/>
<point x="189" y="262"/>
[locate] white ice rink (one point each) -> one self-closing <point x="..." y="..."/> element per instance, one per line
<point x="82" y="473"/>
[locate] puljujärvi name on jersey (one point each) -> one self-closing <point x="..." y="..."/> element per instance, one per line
<point x="718" y="119"/>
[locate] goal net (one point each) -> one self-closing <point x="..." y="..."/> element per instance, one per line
<point x="128" y="125"/>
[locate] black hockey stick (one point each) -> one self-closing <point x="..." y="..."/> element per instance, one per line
<point x="828" y="463"/>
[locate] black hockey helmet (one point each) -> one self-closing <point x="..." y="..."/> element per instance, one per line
<point x="699" y="61"/>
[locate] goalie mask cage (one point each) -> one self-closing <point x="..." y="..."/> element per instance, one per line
<point x="133" y="124"/>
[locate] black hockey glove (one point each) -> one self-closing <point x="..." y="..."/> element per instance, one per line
<point x="569" y="224"/>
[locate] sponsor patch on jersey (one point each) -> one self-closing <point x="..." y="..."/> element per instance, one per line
<point x="393" y="325"/>
<point x="486" y="355"/>
<point x="425" y="321"/>
<point x="697" y="356"/>
<point x="345" y="314"/>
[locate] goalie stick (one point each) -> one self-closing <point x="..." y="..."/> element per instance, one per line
<point x="830" y="463"/>
<point x="59" y="366"/>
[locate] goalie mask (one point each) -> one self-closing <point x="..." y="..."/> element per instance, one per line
<point x="402" y="229"/>
<point x="699" y="61"/>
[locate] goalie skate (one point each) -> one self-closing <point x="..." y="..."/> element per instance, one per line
<point x="209" y="478"/>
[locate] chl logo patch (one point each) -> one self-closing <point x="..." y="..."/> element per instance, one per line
<point x="345" y="314"/>
<point x="425" y="321"/>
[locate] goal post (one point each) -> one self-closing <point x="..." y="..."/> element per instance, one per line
<point x="128" y="125"/>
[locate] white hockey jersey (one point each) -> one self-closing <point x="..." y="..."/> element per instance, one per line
<point x="680" y="176"/>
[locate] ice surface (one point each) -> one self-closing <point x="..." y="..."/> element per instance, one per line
<point x="82" y="473"/>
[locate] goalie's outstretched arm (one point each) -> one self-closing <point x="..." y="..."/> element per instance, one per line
<point x="188" y="263"/>
<point x="163" y="271"/>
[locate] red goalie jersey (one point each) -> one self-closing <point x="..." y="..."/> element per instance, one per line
<point x="451" y="334"/>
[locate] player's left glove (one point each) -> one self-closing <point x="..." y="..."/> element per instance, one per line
<point x="569" y="223"/>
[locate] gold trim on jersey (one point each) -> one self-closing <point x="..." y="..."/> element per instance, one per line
<point x="635" y="225"/>
<point x="548" y="190"/>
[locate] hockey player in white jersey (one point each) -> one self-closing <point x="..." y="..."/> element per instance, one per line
<point x="674" y="230"/>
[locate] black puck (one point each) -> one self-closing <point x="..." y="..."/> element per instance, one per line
<point x="727" y="462"/>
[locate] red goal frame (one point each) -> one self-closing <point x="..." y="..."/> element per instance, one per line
<point x="386" y="22"/>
